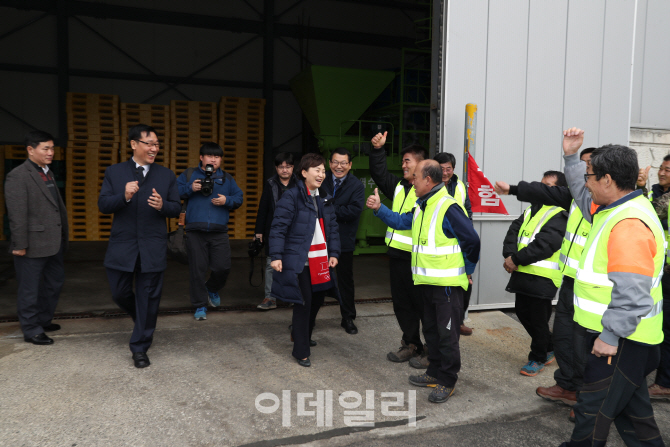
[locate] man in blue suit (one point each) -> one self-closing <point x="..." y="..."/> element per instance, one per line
<point x="141" y="195"/>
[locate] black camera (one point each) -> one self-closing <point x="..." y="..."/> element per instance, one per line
<point x="255" y="247"/>
<point x="207" y="183"/>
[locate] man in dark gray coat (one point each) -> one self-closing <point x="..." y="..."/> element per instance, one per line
<point x="39" y="234"/>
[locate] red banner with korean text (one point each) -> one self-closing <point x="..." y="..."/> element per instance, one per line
<point x="483" y="198"/>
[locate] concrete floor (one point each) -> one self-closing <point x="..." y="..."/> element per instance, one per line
<point x="203" y="386"/>
<point x="204" y="383"/>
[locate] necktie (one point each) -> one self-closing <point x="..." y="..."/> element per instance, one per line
<point x="338" y="182"/>
<point x="139" y="174"/>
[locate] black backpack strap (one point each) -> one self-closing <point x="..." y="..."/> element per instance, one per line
<point x="189" y="174"/>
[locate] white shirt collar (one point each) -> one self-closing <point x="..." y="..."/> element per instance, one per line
<point x="145" y="169"/>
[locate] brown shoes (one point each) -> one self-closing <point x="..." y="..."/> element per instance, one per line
<point x="405" y="353"/>
<point x="421" y="361"/>
<point x="657" y="391"/>
<point x="557" y="394"/>
<point x="465" y="330"/>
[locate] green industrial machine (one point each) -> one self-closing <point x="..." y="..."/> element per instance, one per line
<point x="346" y="107"/>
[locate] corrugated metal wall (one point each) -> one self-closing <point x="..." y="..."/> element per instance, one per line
<point x="533" y="68"/>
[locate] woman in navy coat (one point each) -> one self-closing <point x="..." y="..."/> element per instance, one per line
<point x="303" y="267"/>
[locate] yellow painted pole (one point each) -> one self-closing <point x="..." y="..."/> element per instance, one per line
<point x="470" y="131"/>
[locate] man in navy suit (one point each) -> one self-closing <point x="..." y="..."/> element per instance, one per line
<point x="141" y="195"/>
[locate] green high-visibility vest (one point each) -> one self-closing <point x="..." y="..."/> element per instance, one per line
<point x="667" y="233"/>
<point x="573" y="243"/>
<point x="593" y="289"/>
<point x="460" y="194"/>
<point x="402" y="203"/>
<point x="547" y="268"/>
<point x="436" y="259"/>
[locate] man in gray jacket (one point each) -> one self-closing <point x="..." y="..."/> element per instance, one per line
<point x="39" y="234"/>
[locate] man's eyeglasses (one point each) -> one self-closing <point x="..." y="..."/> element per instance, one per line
<point x="285" y="168"/>
<point x="157" y="145"/>
<point x="339" y="163"/>
<point x="586" y="177"/>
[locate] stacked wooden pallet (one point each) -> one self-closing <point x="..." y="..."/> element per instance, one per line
<point x="191" y="124"/>
<point x="156" y="116"/>
<point x="93" y="145"/>
<point x="241" y="137"/>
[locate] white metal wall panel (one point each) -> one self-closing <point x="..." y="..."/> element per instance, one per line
<point x="583" y="68"/>
<point x="505" y="92"/>
<point x="464" y="74"/>
<point x="638" y="63"/>
<point x="655" y="84"/>
<point x="544" y="102"/>
<point x="548" y="66"/>
<point x="490" y="279"/>
<point x="618" y="44"/>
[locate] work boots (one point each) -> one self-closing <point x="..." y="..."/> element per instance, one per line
<point x="421" y="361"/>
<point x="406" y="352"/>
<point x="557" y="394"/>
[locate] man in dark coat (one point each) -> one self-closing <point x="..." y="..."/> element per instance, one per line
<point x="348" y="198"/>
<point x="534" y="292"/>
<point x="141" y="195"/>
<point x="39" y="235"/>
<point x="275" y="187"/>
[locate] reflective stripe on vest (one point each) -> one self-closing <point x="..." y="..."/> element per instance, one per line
<point x="402" y="203"/>
<point x="460" y="194"/>
<point x="574" y="240"/>
<point x="436" y="259"/>
<point x="438" y="273"/>
<point x="593" y="289"/>
<point x="547" y="268"/>
<point x="600" y="308"/>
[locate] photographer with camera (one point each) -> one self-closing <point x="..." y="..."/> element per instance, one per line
<point x="274" y="188"/>
<point x="212" y="194"/>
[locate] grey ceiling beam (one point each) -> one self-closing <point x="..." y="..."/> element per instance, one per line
<point x="145" y="15"/>
<point x="185" y="80"/>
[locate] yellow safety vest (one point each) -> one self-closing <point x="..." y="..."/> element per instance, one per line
<point x="593" y="289"/>
<point x="436" y="259"/>
<point x="576" y="233"/>
<point x="460" y="194"/>
<point x="401" y="239"/>
<point x="548" y="268"/>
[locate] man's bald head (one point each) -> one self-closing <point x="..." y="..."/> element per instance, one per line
<point x="427" y="175"/>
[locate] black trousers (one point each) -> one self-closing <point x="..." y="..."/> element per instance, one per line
<point x="345" y="282"/>
<point x="407" y="301"/>
<point x="40" y="281"/>
<point x="304" y="315"/>
<point x="534" y="315"/>
<point x="616" y="393"/>
<point x="663" y="371"/>
<point x="142" y="305"/>
<point x="568" y="340"/>
<point x="442" y="312"/>
<point x="466" y="301"/>
<point x="207" y="251"/>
